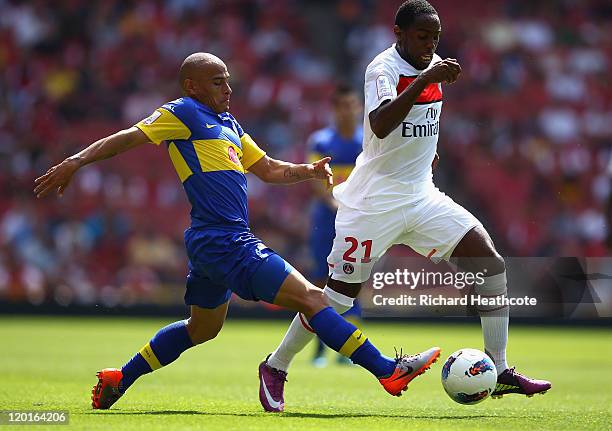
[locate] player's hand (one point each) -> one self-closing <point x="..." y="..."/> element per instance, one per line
<point x="322" y="171"/>
<point x="435" y="161"/>
<point x="447" y="70"/>
<point x="56" y="178"/>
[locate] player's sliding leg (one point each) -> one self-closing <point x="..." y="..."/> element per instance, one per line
<point x="394" y="374"/>
<point x="340" y="295"/>
<point x="494" y="319"/>
<point x="300" y="333"/>
<point x="164" y="348"/>
<point x="354" y="316"/>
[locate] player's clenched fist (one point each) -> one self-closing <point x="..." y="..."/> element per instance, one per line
<point x="447" y="70"/>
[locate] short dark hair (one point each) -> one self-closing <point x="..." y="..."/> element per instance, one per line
<point x="410" y="9"/>
<point x="342" y="89"/>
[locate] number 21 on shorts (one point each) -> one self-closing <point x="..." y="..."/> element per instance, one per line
<point x="354" y="245"/>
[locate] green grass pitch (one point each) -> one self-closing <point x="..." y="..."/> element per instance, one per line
<point x="49" y="363"/>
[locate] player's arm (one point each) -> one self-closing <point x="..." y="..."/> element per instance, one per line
<point x="58" y="177"/>
<point x="280" y="172"/>
<point x="388" y="116"/>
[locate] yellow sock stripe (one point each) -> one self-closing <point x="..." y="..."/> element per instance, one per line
<point x="353" y="343"/>
<point x="149" y="356"/>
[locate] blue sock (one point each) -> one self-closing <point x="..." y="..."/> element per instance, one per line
<point x="165" y="347"/>
<point x="346" y="339"/>
<point x="135" y="367"/>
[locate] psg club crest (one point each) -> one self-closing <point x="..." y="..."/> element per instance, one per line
<point x="348" y="268"/>
<point x="231" y="152"/>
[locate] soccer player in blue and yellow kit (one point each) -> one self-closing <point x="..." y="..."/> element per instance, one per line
<point x="211" y="154"/>
<point x="342" y="141"/>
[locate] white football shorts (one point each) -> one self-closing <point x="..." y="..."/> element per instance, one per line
<point x="432" y="226"/>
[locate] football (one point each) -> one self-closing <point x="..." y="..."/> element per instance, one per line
<point x="469" y="376"/>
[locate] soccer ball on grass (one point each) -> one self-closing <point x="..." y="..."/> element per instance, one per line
<point x="469" y="376"/>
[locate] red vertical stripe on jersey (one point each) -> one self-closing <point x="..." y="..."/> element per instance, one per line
<point x="431" y="94"/>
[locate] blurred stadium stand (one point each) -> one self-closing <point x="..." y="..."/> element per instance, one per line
<point x="524" y="144"/>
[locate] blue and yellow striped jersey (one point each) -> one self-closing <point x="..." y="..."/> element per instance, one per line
<point x="211" y="154"/>
<point x="344" y="152"/>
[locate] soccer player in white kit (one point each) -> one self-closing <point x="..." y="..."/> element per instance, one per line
<point x="390" y="197"/>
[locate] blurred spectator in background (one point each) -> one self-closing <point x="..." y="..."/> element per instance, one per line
<point x="342" y="141"/>
<point x="533" y="122"/>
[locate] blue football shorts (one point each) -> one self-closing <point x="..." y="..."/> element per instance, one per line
<point x="225" y="261"/>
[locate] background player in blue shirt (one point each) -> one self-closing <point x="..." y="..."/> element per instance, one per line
<point x="342" y="141"/>
<point x="211" y="154"/>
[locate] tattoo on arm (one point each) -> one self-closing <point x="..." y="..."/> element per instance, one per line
<point x="292" y="173"/>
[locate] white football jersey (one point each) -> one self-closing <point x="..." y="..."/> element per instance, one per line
<point x="396" y="170"/>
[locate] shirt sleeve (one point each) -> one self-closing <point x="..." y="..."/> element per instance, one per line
<point x="251" y="153"/>
<point x="163" y="125"/>
<point x="380" y="86"/>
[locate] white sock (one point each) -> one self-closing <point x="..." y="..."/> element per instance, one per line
<point x="494" y="320"/>
<point x="299" y="333"/>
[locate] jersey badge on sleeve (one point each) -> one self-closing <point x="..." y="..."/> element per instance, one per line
<point x="383" y="86"/>
<point x="151" y="118"/>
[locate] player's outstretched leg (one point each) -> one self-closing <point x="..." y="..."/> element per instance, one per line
<point x="343" y="337"/>
<point x="165" y="347"/>
<point x="354" y="316"/>
<point x="300" y="334"/>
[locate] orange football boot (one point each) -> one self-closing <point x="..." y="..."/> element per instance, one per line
<point x="407" y="368"/>
<point x="106" y="392"/>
